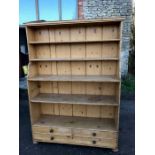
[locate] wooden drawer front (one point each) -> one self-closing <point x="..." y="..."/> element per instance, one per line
<point x="95" y="133"/>
<point x="52" y="130"/>
<point x="52" y="138"/>
<point x="99" y="142"/>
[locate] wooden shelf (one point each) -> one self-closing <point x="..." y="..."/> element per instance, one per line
<point x="75" y="99"/>
<point x="104" y="124"/>
<point x="75" y="59"/>
<point x="79" y="78"/>
<point x="74" y="22"/>
<point x="72" y="42"/>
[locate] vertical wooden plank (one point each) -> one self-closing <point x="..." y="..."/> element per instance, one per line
<point x="63" y="51"/>
<point x="110" y="32"/>
<point x="93" y="88"/>
<point x="54" y="68"/>
<point x="47" y="109"/>
<point x="77" y="50"/>
<point x="43" y="51"/>
<point x="44" y="68"/>
<point x="107" y="112"/>
<point x="41" y="34"/>
<point x="93" y="50"/>
<point x="45" y="87"/>
<point x="93" y="111"/>
<point x="56" y="109"/>
<point x="108" y="89"/>
<point x="51" y="34"/>
<point x="62" y="34"/>
<point x="110" y="50"/>
<point x="118" y="87"/>
<point x="55" y="87"/>
<point x="77" y="34"/>
<point x="94" y="33"/>
<point x="93" y="68"/>
<point x="66" y="109"/>
<point x="64" y="87"/>
<point x="79" y="110"/>
<point x="78" y="88"/>
<point x="53" y="51"/>
<point x="109" y="67"/>
<point x="63" y="68"/>
<point x="78" y="68"/>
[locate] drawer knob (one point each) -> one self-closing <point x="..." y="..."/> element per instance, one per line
<point x="52" y="138"/>
<point x="94" y="134"/>
<point x="51" y="130"/>
<point x="94" y="142"/>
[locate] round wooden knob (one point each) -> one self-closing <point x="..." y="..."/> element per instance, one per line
<point x="52" y="138"/>
<point x="94" y="142"/>
<point x="51" y="130"/>
<point x="94" y="134"/>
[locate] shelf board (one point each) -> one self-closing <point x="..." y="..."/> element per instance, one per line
<point x="105" y="124"/>
<point x="72" y="42"/>
<point x="78" y="78"/>
<point x="75" y="59"/>
<point x="74" y="22"/>
<point x="75" y="99"/>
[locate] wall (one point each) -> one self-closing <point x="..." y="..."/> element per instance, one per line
<point x="91" y="9"/>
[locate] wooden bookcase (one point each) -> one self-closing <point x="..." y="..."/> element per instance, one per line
<point x="74" y="81"/>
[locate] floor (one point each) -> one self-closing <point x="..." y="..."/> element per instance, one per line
<point x="126" y="138"/>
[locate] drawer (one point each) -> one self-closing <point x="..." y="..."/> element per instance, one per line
<point x="78" y="140"/>
<point x="52" y="138"/>
<point x="95" y="133"/>
<point x="98" y="142"/>
<point x="52" y="130"/>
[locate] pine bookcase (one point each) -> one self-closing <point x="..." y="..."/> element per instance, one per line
<point x="74" y="81"/>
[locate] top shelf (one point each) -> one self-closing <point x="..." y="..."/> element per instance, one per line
<point x="74" y="22"/>
<point x="71" y="42"/>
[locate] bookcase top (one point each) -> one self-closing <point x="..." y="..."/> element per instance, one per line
<point x="75" y="22"/>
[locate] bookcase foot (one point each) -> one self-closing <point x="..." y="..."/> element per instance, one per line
<point x="115" y="150"/>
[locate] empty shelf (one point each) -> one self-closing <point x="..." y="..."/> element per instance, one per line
<point x="105" y="124"/>
<point x="71" y="42"/>
<point x="82" y="78"/>
<point x="74" y="59"/>
<point x="75" y="99"/>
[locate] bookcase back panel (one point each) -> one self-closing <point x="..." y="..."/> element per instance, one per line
<point x="110" y="32"/>
<point x="77" y="34"/>
<point x="44" y="68"/>
<point x="94" y="33"/>
<point x="63" y="51"/>
<point x="62" y="34"/>
<point x="78" y="68"/>
<point x="110" y="50"/>
<point x="41" y="34"/>
<point x="78" y="88"/>
<point x="78" y="110"/>
<point x="81" y="50"/>
<point x="78" y="51"/>
<point x="43" y="51"/>
<point x="82" y="33"/>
